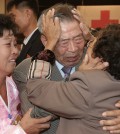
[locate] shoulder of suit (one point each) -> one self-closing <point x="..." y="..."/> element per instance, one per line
<point x="23" y="67"/>
<point x="21" y="71"/>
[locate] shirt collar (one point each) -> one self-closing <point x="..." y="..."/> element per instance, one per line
<point x="60" y="66"/>
<point x="28" y="38"/>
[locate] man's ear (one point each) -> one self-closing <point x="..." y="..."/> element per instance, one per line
<point x="28" y="12"/>
<point x="43" y="39"/>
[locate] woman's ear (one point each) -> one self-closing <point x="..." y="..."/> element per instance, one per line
<point x="43" y="39"/>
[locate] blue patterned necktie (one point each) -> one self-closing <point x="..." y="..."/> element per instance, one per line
<point x="66" y="71"/>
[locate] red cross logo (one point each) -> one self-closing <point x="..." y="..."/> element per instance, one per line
<point x="104" y="20"/>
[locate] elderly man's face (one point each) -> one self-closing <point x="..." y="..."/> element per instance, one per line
<point x="70" y="46"/>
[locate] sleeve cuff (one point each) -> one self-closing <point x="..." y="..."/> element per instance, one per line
<point x="39" y="69"/>
<point x="46" y="55"/>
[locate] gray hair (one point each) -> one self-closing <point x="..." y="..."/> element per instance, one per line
<point x="62" y="11"/>
<point x="39" y="23"/>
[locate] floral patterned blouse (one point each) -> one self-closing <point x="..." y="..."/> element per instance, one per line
<point x="10" y="115"/>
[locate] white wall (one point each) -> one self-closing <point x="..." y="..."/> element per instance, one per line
<point x="2" y="6"/>
<point x="93" y="12"/>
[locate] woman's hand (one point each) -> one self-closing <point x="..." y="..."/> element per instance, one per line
<point x="83" y="26"/>
<point x="112" y="125"/>
<point x="89" y="62"/>
<point x="34" y="126"/>
<point x="51" y="29"/>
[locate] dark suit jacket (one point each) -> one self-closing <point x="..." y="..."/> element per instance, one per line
<point x="33" y="46"/>
<point x="19" y="76"/>
<point x="80" y="102"/>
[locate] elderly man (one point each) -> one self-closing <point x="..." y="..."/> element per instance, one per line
<point x="69" y="39"/>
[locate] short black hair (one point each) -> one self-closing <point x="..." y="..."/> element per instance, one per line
<point x="32" y="4"/>
<point x="6" y="24"/>
<point x="113" y="27"/>
<point x="107" y="47"/>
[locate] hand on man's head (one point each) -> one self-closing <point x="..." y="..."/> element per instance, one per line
<point x="51" y="28"/>
<point x="83" y="26"/>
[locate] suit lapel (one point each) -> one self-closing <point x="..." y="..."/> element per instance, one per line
<point x="29" y="44"/>
<point x="56" y="76"/>
<point x="26" y="48"/>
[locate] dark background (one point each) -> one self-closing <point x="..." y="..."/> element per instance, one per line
<point x="43" y="4"/>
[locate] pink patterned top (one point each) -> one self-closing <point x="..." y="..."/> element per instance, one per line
<point x="9" y="114"/>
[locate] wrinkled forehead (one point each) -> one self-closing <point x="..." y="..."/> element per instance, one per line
<point x="70" y="24"/>
<point x="70" y="28"/>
